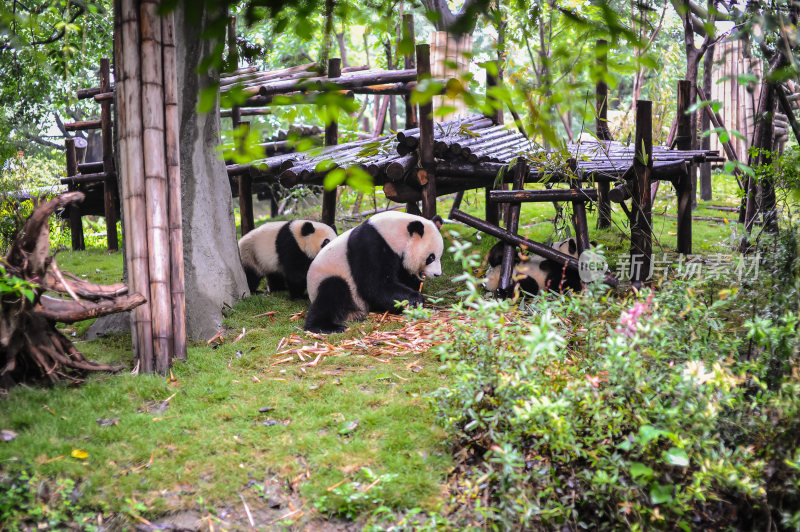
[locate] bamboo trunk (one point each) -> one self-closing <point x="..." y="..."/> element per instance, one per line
<point x="129" y="103"/>
<point x="172" y="143"/>
<point x="155" y="167"/>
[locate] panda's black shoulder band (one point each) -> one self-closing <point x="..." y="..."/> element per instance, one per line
<point x="307" y="229"/>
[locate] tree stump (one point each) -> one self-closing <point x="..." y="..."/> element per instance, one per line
<point x="30" y="345"/>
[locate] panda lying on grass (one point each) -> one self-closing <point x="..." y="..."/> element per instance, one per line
<point x="283" y="251"/>
<point x="536" y="273"/>
<point x="372" y="266"/>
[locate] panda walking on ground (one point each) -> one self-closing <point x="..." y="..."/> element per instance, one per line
<point x="283" y="251"/>
<point x="372" y="266"/>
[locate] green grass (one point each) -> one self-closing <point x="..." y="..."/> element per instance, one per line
<point x="212" y="442"/>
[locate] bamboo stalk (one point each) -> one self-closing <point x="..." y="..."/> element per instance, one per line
<point x="155" y="167"/>
<point x="175" y="215"/>
<point x="132" y="170"/>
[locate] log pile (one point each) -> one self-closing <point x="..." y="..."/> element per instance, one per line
<point x="30" y="344"/>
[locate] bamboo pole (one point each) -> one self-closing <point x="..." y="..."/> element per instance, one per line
<point x="129" y="104"/>
<point x="110" y="184"/>
<point x="331" y="139"/>
<point x="172" y="143"/>
<point x="409" y="63"/>
<point x="155" y="167"/>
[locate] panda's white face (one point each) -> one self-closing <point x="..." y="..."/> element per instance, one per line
<point x="312" y="236"/>
<point x="415" y="239"/>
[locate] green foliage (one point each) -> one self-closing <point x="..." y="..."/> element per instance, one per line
<point x="601" y="412"/>
<point x="48" y="49"/>
<point x="22" y="179"/>
<point x="28" y="499"/>
<point x="352" y="498"/>
<point x="14" y="288"/>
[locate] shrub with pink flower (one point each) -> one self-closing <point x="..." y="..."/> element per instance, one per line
<point x="630" y="318"/>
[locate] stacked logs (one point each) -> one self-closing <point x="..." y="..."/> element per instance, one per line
<point x="30" y="344"/>
<point x="149" y="169"/>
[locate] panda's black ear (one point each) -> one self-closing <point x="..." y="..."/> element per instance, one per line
<point x="573" y="246"/>
<point x="593" y="243"/>
<point x="416" y="227"/>
<point x="438" y="221"/>
<point x="307" y="229"/>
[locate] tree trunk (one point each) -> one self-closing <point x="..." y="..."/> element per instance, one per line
<point x="213" y="272"/>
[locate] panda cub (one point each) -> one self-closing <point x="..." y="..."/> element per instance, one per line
<point x="283" y="251"/>
<point x="537" y="273"/>
<point x="370" y="267"/>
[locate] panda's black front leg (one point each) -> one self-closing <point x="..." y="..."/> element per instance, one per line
<point x="386" y="298"/>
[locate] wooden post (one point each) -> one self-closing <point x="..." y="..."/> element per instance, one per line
<point x="683" y="183"/>
<point x="492" y="211"/>
<point x="705" y="143"/>
<point x="172" y="135"/>
<point x="131" y="150"/>
<point x="331" y="139"/>
<point x="110" y="183"/>
<point x="411" y="110"/>
<point x="641" y="223"/>
<point x="247" y="219"/>
<point x="75" y="223"/>
<point x="408" y="62"/>
<point x="506" y="285"/>
<point x="761" y="195"/>
<point x="602" y="131"/>
<point x="426" y="174"/>
<point x="579" y="220"/>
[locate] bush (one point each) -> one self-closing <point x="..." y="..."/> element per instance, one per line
<point x="599" y="412"/>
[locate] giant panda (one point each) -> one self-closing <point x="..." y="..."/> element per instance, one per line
<point x="283" y="251"/>
<point x="535" y="273"/>
<point x="372" y="266"/>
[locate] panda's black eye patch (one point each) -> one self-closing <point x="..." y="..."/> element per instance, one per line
<point x="325" y="243"/>
<point x="430" y="259"/>
<point x="307" y="229"/>
<point x="416" y="227"/>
